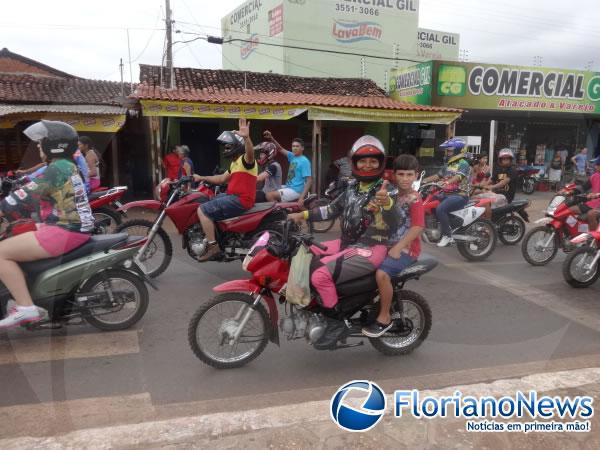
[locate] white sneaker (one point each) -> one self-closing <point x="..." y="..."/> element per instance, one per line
<point x="445" y="241"/>
<point x="19" y="316"/>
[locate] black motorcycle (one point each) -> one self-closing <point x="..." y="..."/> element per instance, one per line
<point x="510" y="221"/>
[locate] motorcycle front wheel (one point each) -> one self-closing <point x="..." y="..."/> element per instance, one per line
<point x="538" y="248"/>
<point x="159" y="252"/>
<point x="127" y="305"/>
<point x="212" y="329"/>
<point x="511" y="230"/>
<point x="412" y="319"/>
<point x="486" y="237"/>
<point x="576" y="270"/>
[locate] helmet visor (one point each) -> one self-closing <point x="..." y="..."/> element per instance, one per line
<point x="36" y="132"/>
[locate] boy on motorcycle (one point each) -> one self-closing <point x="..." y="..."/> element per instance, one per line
<point x="271" y="174"/>
<point x="365" y="229"/>
<point x="408" y="219"/>
<point x="241" y="188"/>
<point x="455" y="176"/>
<point x="66" y="222"/>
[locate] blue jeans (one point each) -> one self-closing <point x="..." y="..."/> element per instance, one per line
<point x="222" y="207"/>
<point x="448" y="204"/>
<point x="393" y="266"/>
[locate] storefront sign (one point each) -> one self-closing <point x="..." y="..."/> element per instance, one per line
<point x="350" y="32"/>
<point x="518" y="88"/>
<point x="412" y="84"/>
<point x="81" y="122"/>
<point x="433" y="44"/>
<point x="162" y="108"/>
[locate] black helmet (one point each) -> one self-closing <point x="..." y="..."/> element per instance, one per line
<point x="234" y="144"/>
<point x="57" y="139"/>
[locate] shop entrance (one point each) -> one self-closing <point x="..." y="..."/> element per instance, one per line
<point x="201" y="138"/>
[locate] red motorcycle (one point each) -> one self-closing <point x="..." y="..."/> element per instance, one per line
<point x="234" y="327"/>
<point x="556" y="230"/>
<point x="105" y="204"/>
<point x="475" y="236"/>
<point x="235" y="235"/>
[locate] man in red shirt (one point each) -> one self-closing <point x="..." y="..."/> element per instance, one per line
<point x="241" y="188"/>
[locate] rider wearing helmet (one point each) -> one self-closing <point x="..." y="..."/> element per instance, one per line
<point x="241" y="188"/>
<point x="504" y="175"/>
<point x="271" y="174"/>
<point x="368" y="220"/>
<point x="455" y="179"/>
<point x="591" y="208"/>
<point x="60" y="202"/>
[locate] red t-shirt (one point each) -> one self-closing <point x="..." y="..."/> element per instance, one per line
<point x="171" y="163"/>
<point x="595" y="182"/>
<point x="243" y="181"/>
<point x="409" y="212"/>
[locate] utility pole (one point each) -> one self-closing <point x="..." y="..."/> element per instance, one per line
<point x="122" y="86"/>
<point x="169" y="24"/>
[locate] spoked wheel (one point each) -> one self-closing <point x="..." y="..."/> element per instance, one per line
<point x="412" y="321"/>
<point x="157" y="256"/>
<point x="540" y="246"/>
<point x="126" y="304"/>
<point x="104" y="213"/>
<point x="579" y="269"/>
<point x="484" y="244"/>
<point x="324" y="226"/>
<point x="212" y="330"/>
<point x="511" y="230"/>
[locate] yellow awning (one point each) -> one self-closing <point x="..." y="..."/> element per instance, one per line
<point x="381" y="115"/>
<point x="104" y="123"/>
<point x="165" y="108"/>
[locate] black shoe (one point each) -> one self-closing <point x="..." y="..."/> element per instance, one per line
<point x="376" y="329"/>
<point x="333" y="333"/>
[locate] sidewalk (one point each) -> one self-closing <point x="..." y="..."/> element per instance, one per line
<point x="309" y="426"/>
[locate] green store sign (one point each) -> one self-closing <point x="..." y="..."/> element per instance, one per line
<point x="412" y="84"/>
<point x="516" y="88"/>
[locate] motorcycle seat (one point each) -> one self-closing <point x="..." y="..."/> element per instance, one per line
<point x="424" y="264"/>
<point x="95" y="244"/>
<point x="258" y="207"/>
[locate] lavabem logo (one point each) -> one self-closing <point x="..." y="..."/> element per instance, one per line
<point x="346" y="31"/>
<point x="361" y="418"/>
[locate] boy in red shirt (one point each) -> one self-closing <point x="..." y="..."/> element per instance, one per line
<point x="404" y="240"/>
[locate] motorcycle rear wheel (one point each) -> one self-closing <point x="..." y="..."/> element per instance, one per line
<point x="532" y="239"/>
<point x="115" y="218"/>
<point x="479" y="226"/>
<point x="571" y="272"/>
<point x="221" y="326"/>
<point x="103" y="318"/>
<point x="511" y="230"/>
<point x="159" y="252"/>
<point x="393" y="344"/>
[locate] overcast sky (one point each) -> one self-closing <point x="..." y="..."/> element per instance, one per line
<point x="87" y="38"/>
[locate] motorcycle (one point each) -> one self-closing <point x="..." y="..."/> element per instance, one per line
<point x="556" y="230"/>
<point x="510" y="221"/>
<point x="235" y="235"/>
<point x="234" y="327"/>
<point x="581" y="269"/>
<point x="474" y="235"/>
<point x="98" y="283"/>
<point x="105" y="204"/>
<point x="528" y="178"/>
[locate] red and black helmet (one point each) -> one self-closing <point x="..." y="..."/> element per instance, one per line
<point x="367" y="147"/>
<point x="266" y="152"/>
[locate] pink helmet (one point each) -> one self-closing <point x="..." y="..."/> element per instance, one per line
<point x="266" y="152"/>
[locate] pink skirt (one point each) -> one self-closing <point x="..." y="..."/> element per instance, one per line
<point x="58" y="241"/>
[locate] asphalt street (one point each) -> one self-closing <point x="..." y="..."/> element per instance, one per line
<point x="500" y="317"/>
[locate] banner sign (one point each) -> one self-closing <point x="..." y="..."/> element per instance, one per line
<point x="433" y="44"/>
<point x="161" y="108"/>
<point x="380" y="115"/>
<point x="517" y="88"/>
<point x="412" y="84"/>
<point x="81" y="122"/>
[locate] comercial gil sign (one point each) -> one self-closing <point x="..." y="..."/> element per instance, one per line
<point x="347" y="31"/>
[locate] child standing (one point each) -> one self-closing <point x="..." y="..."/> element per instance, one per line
<point x="408" y="219"/>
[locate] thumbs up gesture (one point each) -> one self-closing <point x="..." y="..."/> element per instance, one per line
<point x="382" y="198"/>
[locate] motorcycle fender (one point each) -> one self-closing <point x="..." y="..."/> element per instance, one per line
<point x="246" y="286"/>
<point x="524" y="214"/>
<point x="544" y="221"/>
<point x="145" y="204"/>
<point x="469" y="215"/>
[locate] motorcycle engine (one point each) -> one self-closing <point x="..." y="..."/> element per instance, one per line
<point x="433" y="232"/>
<point x="197" y="243"/>
<point x="303" y="324"/>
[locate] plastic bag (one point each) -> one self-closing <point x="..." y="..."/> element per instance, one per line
<point x="297" y="290"/>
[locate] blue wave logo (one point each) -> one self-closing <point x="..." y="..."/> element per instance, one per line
<point x="361" y="418"/>
<point x="351" y="31"/>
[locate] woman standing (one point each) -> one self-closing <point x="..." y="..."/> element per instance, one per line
<point x="93" y="161"/>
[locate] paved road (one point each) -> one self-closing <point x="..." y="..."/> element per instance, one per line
<point x="497" y="318"/>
